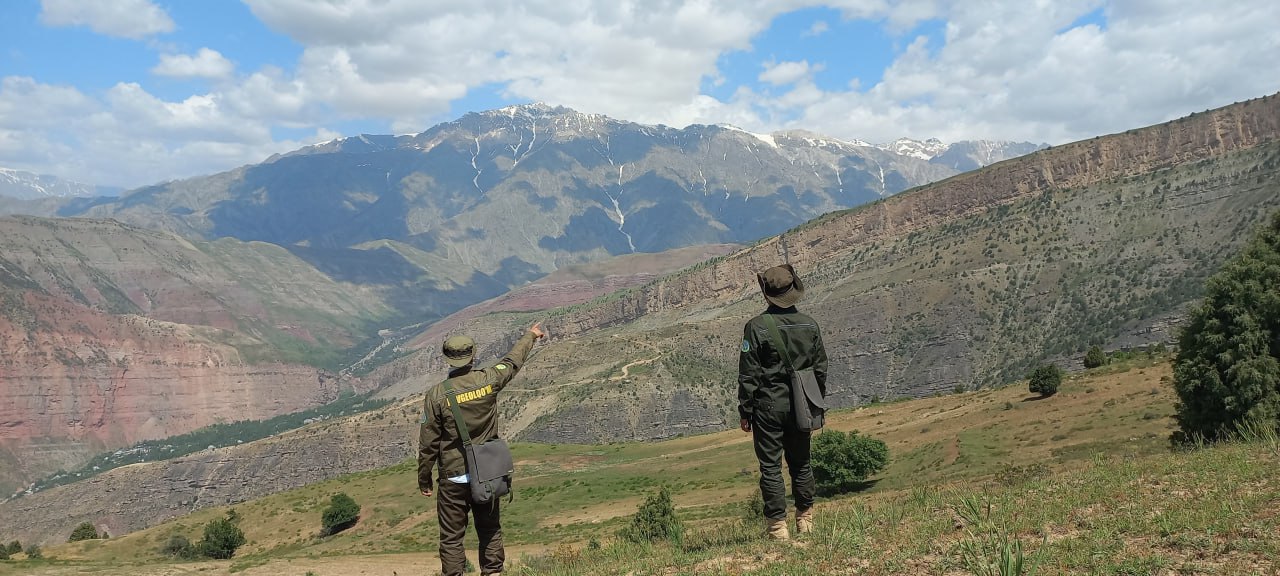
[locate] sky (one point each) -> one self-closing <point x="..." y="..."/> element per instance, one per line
<point x="134" y="92"/>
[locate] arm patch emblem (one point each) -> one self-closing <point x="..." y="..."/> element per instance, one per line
<point x="501" y="366"/>
<point x="746" y="346"/>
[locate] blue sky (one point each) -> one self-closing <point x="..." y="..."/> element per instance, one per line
<point x="131" y="92"/>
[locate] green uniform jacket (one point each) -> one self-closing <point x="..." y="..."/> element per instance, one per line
<point x="763" y="380"/>
<point x="477" y="394"/>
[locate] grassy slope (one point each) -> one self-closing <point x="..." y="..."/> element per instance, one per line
<point x="1116" y="502"/>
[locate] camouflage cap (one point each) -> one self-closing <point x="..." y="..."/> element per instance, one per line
<point x="781" y="286"/>
<point x="459" y="350"/>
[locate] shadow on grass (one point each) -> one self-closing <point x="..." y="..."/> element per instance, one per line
<point x="1035" y="398"/>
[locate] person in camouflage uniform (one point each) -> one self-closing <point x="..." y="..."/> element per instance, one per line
<point x="764" y="398"/>
<point x="476" y="394"/>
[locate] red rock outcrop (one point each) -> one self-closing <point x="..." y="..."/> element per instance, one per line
<point x="111" y="334"/>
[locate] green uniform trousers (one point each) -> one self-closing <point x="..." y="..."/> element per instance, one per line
<point x="453" y="502"/>
<point x="776" y="437"/>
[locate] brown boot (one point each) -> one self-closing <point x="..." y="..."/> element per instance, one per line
<point x="776" y="529"/>
<point x="804" y="521"/>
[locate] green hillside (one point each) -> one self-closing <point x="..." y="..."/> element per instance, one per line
<point x="1084" y="480"/>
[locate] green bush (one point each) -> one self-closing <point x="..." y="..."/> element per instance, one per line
<point x="753" y="508"/>
<point x="4" y="552"/>
<point x="655" y="520"/>
<point x="1044" y="380"/>
<point x="1095" y="357"/>
<point x="33" y="552"/>
<point x="340" y="515"/>
<point x="179" y="547"/>
<point x="85" y="531"/>
<point x="14" y="547"/>
<point x="221" y="538"/>
<point x="1227" y="371"/>
<point x="843" y="462"/>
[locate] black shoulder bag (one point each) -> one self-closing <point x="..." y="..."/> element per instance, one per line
<point x="807" y="402"/>
<point x="489" y="464"/>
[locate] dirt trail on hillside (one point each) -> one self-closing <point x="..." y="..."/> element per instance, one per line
<point x="626" y="371"/>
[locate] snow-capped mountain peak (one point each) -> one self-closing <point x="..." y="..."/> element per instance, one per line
<point x="29" y="186"/>
<point x="923" y="150"/>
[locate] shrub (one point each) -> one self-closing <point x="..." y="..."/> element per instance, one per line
<point x="85" y="531"/>
<point x="33" y="552"/>
<point x="15" y="547"/>
<point x="1227" y="370"/>
<point x="1016" y="475"/>
<point x="1095" y="357"/>
<point x="655" y="520"/>
<point x="843" y="462"/>
<point x="340" y="515"/>
<point x="179" y="547"/>
<point x="221" y="539"/>
<point x="1044" y="380"/>
<point x="4" y="552"/>
<point x="753" y="508"/>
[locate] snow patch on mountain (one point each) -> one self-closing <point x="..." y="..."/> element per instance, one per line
<point x="916" y="149"/>
<point x="28" y="186"/>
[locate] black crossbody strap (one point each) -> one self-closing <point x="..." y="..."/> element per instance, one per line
<point x="457" y="414"/>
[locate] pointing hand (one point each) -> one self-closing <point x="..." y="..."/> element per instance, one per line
<point x="537" y="330"/>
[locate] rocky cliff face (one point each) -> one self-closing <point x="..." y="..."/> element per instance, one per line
<point x="110" y="335"/>
<point x="92" y="382"/>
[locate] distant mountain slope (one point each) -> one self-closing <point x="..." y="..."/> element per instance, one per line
<point x="20" y="185"/>
<point x="111" y="334"/>
<point x="964" y="155"/>
<point x="515" y="193"/>
<point x="973" y="154"/>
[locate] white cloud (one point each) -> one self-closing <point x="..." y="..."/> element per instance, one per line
<point x="409" y="60"/>
<point x="1003" y="69"/>
<point x="207" y="63"/>
<point x="782" y="73"/>
<point x="1040" y="81"/>
<point x="818" y="28"/>
<point x="124" y="18"/>
<point x="128" y="137"/>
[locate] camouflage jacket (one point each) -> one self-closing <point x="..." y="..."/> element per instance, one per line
<point x="764" y="383"/>
<point x="476" y="391"/>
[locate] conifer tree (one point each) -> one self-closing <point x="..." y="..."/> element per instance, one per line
<point x="1227" y="371"/>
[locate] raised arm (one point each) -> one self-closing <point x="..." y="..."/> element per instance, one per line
<point x="514" y="360"/>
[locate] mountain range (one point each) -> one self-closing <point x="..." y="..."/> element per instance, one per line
<point x="958" y="284"/>
<point x="255" y="287"/>
<point x="495" y="199"/>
